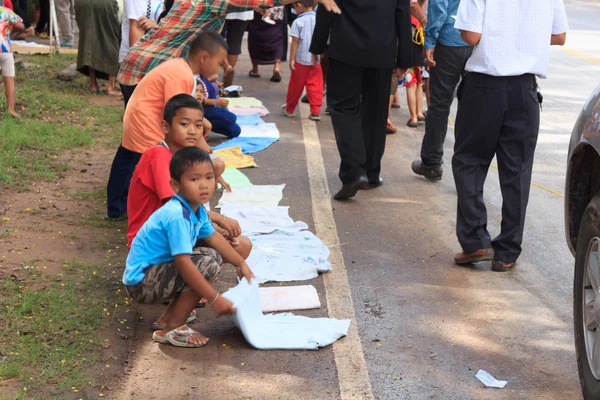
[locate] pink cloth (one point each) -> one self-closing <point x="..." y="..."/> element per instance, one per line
<point x="262" y="111"/>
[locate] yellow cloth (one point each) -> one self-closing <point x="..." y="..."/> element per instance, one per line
<point x="234" y="158"/>
<point x="244" y="102"/>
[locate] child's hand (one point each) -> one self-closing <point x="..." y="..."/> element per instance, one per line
<point x="223" y="183"/>
<point x="222" y="306"/>
<point x="222" y="103"/>
<point x="232" y="227"/>
<point x="244" y="271"/>
<point x="145" y="24"/>
<point x="292" y="65"/>
<point x="204" y="146"/>
<point x="315" y="59"/>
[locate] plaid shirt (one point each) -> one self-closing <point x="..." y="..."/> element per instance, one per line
<point x="173" y="36"/>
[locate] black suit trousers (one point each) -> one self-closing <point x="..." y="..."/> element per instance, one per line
<point x="358" y="98"/>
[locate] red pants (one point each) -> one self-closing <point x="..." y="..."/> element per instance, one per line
<point x="311" y="77"/>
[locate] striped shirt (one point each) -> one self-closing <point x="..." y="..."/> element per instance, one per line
<point x="173" y="36"/>
<point x="303" y="28"/>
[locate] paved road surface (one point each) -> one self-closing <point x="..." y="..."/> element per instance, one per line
<point x="425" y="326"/>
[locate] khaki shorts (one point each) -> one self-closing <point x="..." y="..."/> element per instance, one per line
<point x="7" y="65"/>
<point x="162" y="281"/>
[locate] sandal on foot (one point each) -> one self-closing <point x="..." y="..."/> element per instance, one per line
<point x="391" y="128"/>
<point x="253" y="74"/>
<point x="395" y="106"/>
<point x="276" y="77"/>
<point x="158" y="326"/>
<point x="411" y="124"/>
<point x="178" y="337"/>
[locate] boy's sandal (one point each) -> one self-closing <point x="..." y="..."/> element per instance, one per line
<point x="253" y="74"/>
<point x="178" y="337"/>
<point x="158" y="326"/>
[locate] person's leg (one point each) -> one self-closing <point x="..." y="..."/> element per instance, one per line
<point x="44" y="16"/>
<point x="344" y="100"/>
<point x="117" y="188"/>
<point x="443" y="80"/>
<point x="93" y="81"/>
<point x="375" y="100"/>
<point x="276" y="72"/>
<point x="126" y="91"/>
<point x="295" y="87"/>
<point x="112" y="90"/>
<point x="411" y="100"/>
<point x="9" y="89"/>
<point x="515" y="153"/>
<point x="244" y="247"/>
<point x="314" y="89"/>
<point x="223" y="121"/>
<point x="254" y="72"/>
<point x="481" y="109"/>
<point x="419" y="103"/>
<point x="63" y="15"/>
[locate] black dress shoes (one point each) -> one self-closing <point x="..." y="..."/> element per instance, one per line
<point x="374" y="184"/>
<point x="349" y="190"/>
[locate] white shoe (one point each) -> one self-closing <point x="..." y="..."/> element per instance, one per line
<point x="314" y="117"/>
<point x="285" y="112"/>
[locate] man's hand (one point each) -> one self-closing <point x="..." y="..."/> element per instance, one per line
<point x="330" y="5"/>
<point x="145" y="24"/>
<point x="231" y="226"/>
<point x="428" y="57"/>
<point x="244" y="271"/>
<point x="222" y="306"/>
<point x="222" y="103"/>
<point x="292" y="65"/>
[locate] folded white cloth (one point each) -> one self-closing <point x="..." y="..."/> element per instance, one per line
<point x="262" y="219"/>
<point x="257" y="195"/>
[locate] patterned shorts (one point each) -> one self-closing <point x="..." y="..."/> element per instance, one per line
<point x="162" y="281"/>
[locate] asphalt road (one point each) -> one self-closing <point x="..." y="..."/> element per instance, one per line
<point x="425" y="326"/>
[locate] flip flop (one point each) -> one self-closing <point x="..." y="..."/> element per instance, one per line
<point x="97" y="91"/>
<point x="228" y="77"/>
<point x="158" y="326"/>
<point x="391" y="128"/>
<point x="253" y="74"/>
<point x="396" y="106"/>
<point x="412" y="124"/>
<point x="276" y="77"/>
<point x="178" y="337"/>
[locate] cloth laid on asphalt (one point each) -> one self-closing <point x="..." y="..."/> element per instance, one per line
<point x="262" y="219"/>
<point x="244" y="102"/>
<point x="234" y="158"/>
<point x="236" y="178"/>
<point x="288" y="298"/>
<point x="248" y="145"/>
<point x="280" y="331"/>
<point x="287" y="256"/>
<point x="268" y="130"/>
<point x="249" y="120"/>
<point x="268" y="195"/>
<point x="262" y="111"/>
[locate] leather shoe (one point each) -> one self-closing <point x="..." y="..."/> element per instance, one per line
<point x="432" y="174"/>
<point x="474" y="257"/>
<point x="375" y="184"/>
<point x="349" y="190"/>
<point x="500" y="266"/>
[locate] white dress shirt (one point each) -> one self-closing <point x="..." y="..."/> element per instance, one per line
<point x="515" y="34"/>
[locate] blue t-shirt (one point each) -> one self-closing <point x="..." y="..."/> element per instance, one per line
<point x="171" y="230"/>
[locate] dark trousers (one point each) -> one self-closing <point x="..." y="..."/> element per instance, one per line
<point x="127" y="92"/>
<point x="117" y="189"/>
<point x="496" y="116"/>
<point x="358" y="99"/>
<point x="223" y="121"/>
<point x="44" y="16"/>
<point x="20" y="8"/>
<point x="449" y="68"/>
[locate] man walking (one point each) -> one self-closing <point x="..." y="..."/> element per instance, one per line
<point x="499" y="114"/>
<point x="367" y="40"/>
<point x="65" y="14"/>
<point x="447" y="66"/>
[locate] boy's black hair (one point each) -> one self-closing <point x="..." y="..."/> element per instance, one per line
<point x="306" y="3"/>
<point x="209" y="41"/>
<point x="185" y="158"/>
<point x="180" y="101"/>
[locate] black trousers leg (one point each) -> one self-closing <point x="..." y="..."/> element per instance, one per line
<point x="117" y="189"/>
<point x="450" y="65"/>
<point x="44" y="16"/>
<point x="515" y="154"/>
<point x="478" y="125"/>
<point x="375" y="103"/>
<point x="344" y="90"/>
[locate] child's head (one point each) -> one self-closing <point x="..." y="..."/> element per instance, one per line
<point x="192" y="175"/>
<point x="302" y="6"/>
<point x="182" y="123"/>
<point x="208" y="52"/>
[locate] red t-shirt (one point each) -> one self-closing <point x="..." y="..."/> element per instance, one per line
<point x="149" y="188"/>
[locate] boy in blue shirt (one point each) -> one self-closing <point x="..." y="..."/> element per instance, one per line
<point x="163" y="262"/>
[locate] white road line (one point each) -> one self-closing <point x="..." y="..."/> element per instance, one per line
<point x="348" y="353"/>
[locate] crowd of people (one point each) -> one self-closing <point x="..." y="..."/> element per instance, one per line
<point x="164" y="58"/>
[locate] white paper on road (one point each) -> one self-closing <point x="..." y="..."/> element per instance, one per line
<point x="268" y="130"/>
<point x="289" y="298"/>
<point x="288" y="256"/>
<point x="262" y="219"/>
<point x="280" y="331"/>
<point x="257" y="195"/>
<point x="489" y="381"/>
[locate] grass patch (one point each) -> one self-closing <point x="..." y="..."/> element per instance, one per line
<point x="98" y="194"/>
<point x="56" y="116"/>
<point x="49" y="325"/>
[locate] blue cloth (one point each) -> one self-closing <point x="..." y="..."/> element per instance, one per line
<point x="249" y="120"/>
<point x="249" y="145"/>
<point x="223" y="121"/>
<point x="440" y="24"/>
<point x="171" y="230"/>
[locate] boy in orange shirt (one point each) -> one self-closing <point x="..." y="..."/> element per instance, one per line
<point x="144" y="112"/>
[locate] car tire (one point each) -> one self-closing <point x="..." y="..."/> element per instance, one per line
<point x="588" y="231"/>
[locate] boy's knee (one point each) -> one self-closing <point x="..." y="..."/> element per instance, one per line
<point x="245" y="247"/>
<point x="235" y="130"/>
<point x="208" y="261"/>
<point x="219" y="166"/>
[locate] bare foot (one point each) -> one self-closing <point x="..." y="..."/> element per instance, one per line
<point x="113" y="92"/>
<point x="13" y="114"/>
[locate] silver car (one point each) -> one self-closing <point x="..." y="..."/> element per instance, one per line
<point x="582" y="220"/>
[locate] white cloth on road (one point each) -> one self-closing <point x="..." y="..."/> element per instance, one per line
<point x="289" y="298"/>
<point x="267" y="130"/>
<point x="257" y="195"/>
<point x="262" y="219"/>
<point x="288" y="256"/>
<point x="280" y="331"/>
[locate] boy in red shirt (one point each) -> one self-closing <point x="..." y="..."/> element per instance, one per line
<point x="150" y="186"/>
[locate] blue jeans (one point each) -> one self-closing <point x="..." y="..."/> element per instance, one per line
<point x="223" y="121"/>
<point x="118" y="181"/>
